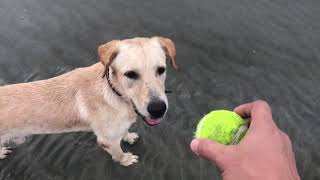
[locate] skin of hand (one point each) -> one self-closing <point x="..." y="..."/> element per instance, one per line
<point x="264" y="153"/>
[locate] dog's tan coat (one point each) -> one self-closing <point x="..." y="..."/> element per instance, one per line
<point x="82" y="100"/>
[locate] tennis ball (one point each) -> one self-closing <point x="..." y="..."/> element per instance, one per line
<point x="225" y="127"/>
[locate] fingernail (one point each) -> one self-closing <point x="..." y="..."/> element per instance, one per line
<point x="194" y="146"/>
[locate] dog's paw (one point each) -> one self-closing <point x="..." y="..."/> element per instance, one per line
<point x="4" y="152"/>
<point x="128" y="159"/>
<point x="131" y="138"/>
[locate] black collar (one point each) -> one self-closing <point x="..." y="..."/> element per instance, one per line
<point x="112" y="87"/>
<point x="106" y="74"/>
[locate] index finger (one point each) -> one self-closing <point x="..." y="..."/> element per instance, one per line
<point x="260" y="113"/>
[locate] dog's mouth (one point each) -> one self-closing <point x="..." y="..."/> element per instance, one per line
<point x="151" y="121"/>
<point x="148" y="120"/>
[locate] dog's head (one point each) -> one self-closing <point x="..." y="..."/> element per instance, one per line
<point x="136" y="68"/>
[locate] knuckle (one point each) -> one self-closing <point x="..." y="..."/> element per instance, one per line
<point x="263" y="105"/>
<point x="260" y="102"/>
<point x="286" y="138"/>
<point x="274" y="133"/>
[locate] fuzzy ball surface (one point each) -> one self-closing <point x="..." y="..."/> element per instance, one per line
<point x="221" y="126"/>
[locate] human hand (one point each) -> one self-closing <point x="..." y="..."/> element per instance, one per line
<point x="264" y="153"/>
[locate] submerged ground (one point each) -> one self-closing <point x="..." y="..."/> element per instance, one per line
<point x="229" y="52"/>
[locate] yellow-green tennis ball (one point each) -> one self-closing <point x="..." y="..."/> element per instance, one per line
<point x="225" y="127"/>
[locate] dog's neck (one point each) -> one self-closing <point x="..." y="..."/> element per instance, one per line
<point x="112" y="87"/>
<point x="120" y="96"/>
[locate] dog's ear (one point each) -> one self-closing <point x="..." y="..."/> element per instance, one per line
<point x="169" y="49"/>
<point x="107" y="53"/>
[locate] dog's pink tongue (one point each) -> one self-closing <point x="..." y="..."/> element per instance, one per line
<point x="152" y="122"/>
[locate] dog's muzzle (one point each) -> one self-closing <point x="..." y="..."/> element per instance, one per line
<point x="156" y="108"/>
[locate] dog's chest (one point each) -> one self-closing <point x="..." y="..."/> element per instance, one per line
<point x="114" y="123"/>
<point x="124" y="115"/>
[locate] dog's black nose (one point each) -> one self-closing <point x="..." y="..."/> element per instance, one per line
<point x="157" y="108"/>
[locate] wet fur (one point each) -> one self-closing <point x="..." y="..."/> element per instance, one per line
<point x="82" y="100"/>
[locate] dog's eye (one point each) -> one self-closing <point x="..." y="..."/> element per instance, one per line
<point x="132" y="75"/>
<point x="161" y="70"/>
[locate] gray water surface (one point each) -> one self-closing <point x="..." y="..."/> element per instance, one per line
<point x="229" y="52"/>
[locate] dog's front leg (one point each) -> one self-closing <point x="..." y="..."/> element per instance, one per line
<point x="112" y="146"/>
<point x="129" y="137"/>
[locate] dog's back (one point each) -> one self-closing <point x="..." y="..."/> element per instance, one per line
<point x="40" y="107"/>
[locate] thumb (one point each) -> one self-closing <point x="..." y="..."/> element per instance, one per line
<point x="209" y="150"/>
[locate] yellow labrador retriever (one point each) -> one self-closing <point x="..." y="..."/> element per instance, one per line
<point x="104" y="98"/>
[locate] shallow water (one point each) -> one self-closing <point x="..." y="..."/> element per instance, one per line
<point x="229" y="52"/>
